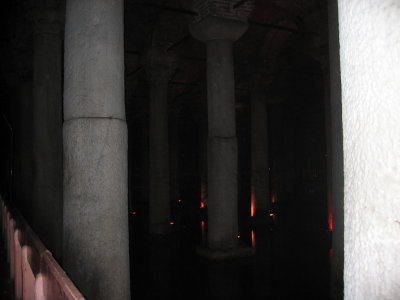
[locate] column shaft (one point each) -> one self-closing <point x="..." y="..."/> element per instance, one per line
<point x="259" y="153"/>
<point x="336" y="175"/>
<point x="219" y="24"/>
<point x="96" y="241"/>
<point x="159" y="206"/>
<point x="23" y="184"/>
<point x="174" y="156"/>
<point x="203" y="136"/>
<point x="220" y="89"/>
<point x="47" y="140"/>
<point x="222" y="147"/>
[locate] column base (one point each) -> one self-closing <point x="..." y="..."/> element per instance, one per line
<point x="213" y="254"/>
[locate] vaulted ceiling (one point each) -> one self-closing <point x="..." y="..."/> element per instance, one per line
<point x="284" y="44"/>
<point x="281" y="50"/>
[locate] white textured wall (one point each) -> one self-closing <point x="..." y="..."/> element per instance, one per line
<point x="370" y="65"/>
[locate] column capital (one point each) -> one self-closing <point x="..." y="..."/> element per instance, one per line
<point x="222" y="9"/>
<point x="220" y="20"/>
<point x="159" y="65"/>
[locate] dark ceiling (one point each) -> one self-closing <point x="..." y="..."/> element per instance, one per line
<point x="284" y="44"/>
<point x="281" y="50"/>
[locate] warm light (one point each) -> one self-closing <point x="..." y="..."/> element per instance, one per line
<point x="252" y="202"/>
<point x="271" y="215"/>
<point x="179" y="201"/>
<point x="253" y="239"/>
<point x="203" y="231"/>
<point x="274" y="197"/>
<point x="203" y="193"/>
<point x="238" y="236"/>
<point x="330" y="221"/>
<point x="133" y="212"/>
<point x="330" y="216"/>
<point x="171" y="223"/>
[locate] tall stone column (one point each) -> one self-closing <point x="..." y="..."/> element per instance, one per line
<point x="144" y="154"/>
<point x="370" y="81"/>
<point x="23" y="184"/>
<point x="47" y="127"/>
<point x="96" y="240"/>
<point x="174" y="154"/>
<point x="219" y="25"/>
<point x="159" y="67"/>
<point x="335" y="155"/>
<point x="203" y="136"/>
<point x="259" y="154"/>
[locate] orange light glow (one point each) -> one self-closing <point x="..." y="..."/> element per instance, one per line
<point x="274" y="197"/>
<point x="203" y="231"/>
<point x="271" y="215"/>
<point x="330" y="216"/>
<point x="203" y="192"/>
<point x="238" y="236"/>
<point x="202" y="205"/>
<point x="252" y="203"/>
<point x="253" y="239"/>
<point x="171" y="223"/>
<point x="179" y="201"/>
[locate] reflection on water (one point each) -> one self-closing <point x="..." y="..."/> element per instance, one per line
<point x="221" y="281"/>
<point x="252" y="202"/>
<point x="287" y="265"/>
<point x="203" y="232"/>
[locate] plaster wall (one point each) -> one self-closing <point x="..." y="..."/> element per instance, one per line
<point x="370" y="59"/>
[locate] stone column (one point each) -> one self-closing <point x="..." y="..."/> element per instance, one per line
<point x="144" y="154"/>
<point x="370" y="81"/>
<point x="47" y="127"/>
<point x="174" y="154"/>
<point x="219" y="25"/>
<point x="203" y="136"/>
<point x="335" y="175"/>
<point x="23" y="184"/>
<point x="259" y="154"/>
<point x="96" y="240"/>
<point x="159" y="67"/>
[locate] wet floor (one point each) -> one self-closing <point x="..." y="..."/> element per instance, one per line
<point x="290" y="263"/>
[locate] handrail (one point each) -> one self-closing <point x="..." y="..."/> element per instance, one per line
<point x="35" y="272"/>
